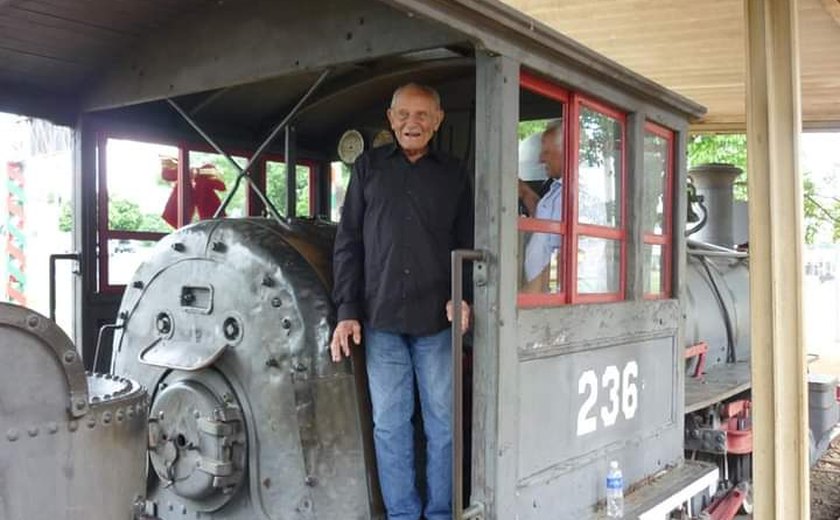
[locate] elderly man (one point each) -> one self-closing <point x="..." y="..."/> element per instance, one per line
<point x="407" y="208"/>
<point x="541" y="246"/>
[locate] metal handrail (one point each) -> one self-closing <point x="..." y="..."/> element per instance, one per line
<point x="53" y="258"/>
<point x="458" y="257"/>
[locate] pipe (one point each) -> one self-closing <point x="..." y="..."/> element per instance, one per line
<point x="242" y="171"/>
<point x="458" y="258"/>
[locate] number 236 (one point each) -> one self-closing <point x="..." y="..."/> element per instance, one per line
<point x="621" y="390"/>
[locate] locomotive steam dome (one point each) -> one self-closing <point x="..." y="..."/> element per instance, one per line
<point x="68" y="436"/>
<point x="228" y="323"/>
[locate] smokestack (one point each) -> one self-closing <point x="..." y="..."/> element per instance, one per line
<point x="714" y="182"/>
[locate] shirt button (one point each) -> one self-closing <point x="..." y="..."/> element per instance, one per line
<point x="407" y="270"/>
<point x="408" y="217"/>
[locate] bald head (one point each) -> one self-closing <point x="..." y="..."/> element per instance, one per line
<point x="415" y="116"/>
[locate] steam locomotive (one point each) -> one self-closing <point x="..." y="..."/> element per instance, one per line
<point x="220" y="399"/>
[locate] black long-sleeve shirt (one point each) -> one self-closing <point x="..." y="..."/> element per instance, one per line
<point x="399" y="224"/>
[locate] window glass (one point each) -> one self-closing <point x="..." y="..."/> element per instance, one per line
<point x="599" y="169"/>
<point x="275" y="181"/>
<point x="656" y="163"/>
<point x="653" y="269"/>
<point x="124" y="257"/>
<point x="213" y="177"/>
<point x="598" y="265"/>
<point x="542" y="265"/>
<point x="139" y="191"/>
<point x="340" y="178"/>
<point x="540" y="179"/>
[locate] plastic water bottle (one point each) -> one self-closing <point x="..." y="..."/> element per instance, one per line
<point x="615" y="491"/>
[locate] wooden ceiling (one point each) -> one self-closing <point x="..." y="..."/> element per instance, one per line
<point x="698" y="49"/>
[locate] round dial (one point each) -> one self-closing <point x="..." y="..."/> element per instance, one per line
<point x="350" y="146"/>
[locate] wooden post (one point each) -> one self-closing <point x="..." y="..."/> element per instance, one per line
<point x="780" y="420"/>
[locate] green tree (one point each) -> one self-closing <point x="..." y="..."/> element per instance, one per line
<point x="124" y="215"/>
<point x="819" y="211"/>
<point x="276" y="188"/>
<point x="65" y="217"/>
<point x="721" y="148"/>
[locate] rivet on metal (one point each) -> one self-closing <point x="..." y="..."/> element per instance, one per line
<point x="311" y="481"/>
<point x="271" y="362"/>
<point x="300" y="367"/>
<point x="95" y="399"/>
<point x="130" y="411"/>
<point x="52" y="428"/>
<point x="91" y="422"/>
<point x="268" y="281"/>
<point x="183" y="510"/>
<point x="123" y="315"/>
<point x="12" y="434"/>
<point x="69" y="356"/>
<point x="138" y="284"/>
<point x="33" y="431"/>
<point x="73" y="426"/>
<point x="32" y="321"/>
<point x="80" y="404"/>
<point x="275" y="302"/>
<point x="178" y="247"/>
<point x="219" y="247"/>
<point x="266" y="483"/>
<point x="106" y="418"/>
<point x="287" y="323"/>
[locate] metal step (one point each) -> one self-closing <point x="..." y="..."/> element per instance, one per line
<point x="668" y="491"/>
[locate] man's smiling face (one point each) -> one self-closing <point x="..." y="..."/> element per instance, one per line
<point x="415" y="117"/>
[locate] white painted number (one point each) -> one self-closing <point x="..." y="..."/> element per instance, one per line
<point x="622" y="393"/>
<point x="611" y="380"/>
<point x="586" y="424"/>
<point x="630" y="394"/>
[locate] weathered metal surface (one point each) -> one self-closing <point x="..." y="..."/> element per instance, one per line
<point x="596" y="383"/>
<point x="706" y="315"/>
<point x="494" y="388"/>
<point x="73" y="445"/>
<point x="273" y="393"/>
<point x="188" y="58"/>
<point x="720" y="382"/>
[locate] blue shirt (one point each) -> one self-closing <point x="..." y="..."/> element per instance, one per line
<point x="541" y="246"/>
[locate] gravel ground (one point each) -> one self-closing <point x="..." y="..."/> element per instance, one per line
<point x="825" y="485"/>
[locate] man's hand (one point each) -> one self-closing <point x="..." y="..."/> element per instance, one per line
<point x="341" y="338"/>
<point x="465" y="315"/>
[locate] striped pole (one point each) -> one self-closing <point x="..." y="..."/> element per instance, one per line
<point x="15" y="237"/>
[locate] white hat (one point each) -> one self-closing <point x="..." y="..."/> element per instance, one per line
<point x="530" y="167"/>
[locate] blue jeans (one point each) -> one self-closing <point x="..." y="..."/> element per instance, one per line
<point x="393" y="361"/>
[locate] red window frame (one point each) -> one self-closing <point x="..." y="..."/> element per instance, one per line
<point x="104" y="233"/>
<point x="666" y="238"/>
<point x="590" y="230"/>
<point x="549" y="90"/>
<point x="569" y="227"/>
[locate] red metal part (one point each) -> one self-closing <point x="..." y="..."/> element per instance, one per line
<point x="726" y="507"/>
<point x="699" y="350"/>
<point x="737" y="423"/>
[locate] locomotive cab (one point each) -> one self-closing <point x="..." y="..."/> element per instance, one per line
<point x="577" y="348"/>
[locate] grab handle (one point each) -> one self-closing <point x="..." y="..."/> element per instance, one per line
<point x="459" y="256"/>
